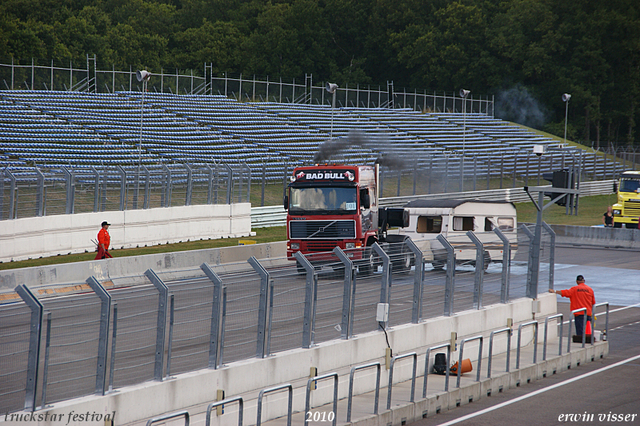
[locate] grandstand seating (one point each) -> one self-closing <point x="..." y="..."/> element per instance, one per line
<point x="54" y="129"/>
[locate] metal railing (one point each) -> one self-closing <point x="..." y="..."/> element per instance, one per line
<point x="413" y="355"/>
<point x="427" y="370"/>
<point x="32" y="75"/>
<point x="166" y="417"/>
<point x="224" y="402"/>
<point x="479" y="365"/>
<point x="377" y="390"/>
<point x="584" y="328"/>
<point x="535" y="341"/>
<point x="546" y="329"/>
<point x="507" y="330"/>
<point x="263" y="392"/>
<point x="313" y="381"/>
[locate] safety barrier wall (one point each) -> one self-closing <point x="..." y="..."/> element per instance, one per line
<point x="63" y="234"/>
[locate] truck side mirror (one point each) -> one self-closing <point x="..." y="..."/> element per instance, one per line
<point x="286" y="202"/>
<point x="615" y="186"/>
<point x="365" y="200"/>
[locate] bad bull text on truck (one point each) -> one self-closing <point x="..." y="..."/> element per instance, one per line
<point x="337" y="206"/>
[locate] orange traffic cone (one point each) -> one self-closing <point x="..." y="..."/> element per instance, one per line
<point x="588" y="332"/>
<point x="466" y="367"/>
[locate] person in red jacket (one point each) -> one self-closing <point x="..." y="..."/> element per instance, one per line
<point x="580" y="296"/>
<point x="104" y="241"/>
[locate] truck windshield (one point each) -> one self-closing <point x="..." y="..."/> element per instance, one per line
<point x="323" y="200"/>
<point x="629" y="185"/>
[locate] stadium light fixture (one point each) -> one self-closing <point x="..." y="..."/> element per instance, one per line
<point x="565" y="99"/>
<point x="463" y="94"/>
<point x="332" y="88"/>
<point x="143" y="76"/>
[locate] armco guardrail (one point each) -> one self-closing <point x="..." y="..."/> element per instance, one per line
<point x="276" y="215"/>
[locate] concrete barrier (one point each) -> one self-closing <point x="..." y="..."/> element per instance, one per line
<point x="109" y="269"/>
<point x="35" y="237"/>
<point x="601" y="237"/>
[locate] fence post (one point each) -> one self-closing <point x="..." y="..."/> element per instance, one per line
<point x="35" y="331"/>
<point x="2" y="195"/>
<point x="348" y="289"/>
<point x="449" y="286"/>
<point x="209" y="185"/>
<point x="261" y="341"/>
<point x="45" y="367"/>
<point x="264" y="181"/>
<point x="123" y="187"/>
<point x="552" y="253"/>
<point x="167" y="196"/>
<point x="385" y="285"/>
<point x="216" y="309"/>
<point x="229" y="183"/>
<point x="40" y="194"/>
<point x="246" y="167"/>
<point x="105" y="311"/>
<point x="161" y="326"/>
<point x="147" y="187"/>
<point x="96" y="189"/>
<point x="13" y="213"/>
<point x="416" y="312"/>
<point x="310" y="298"/>
<point x="506" y="265"/>
<point x="114" y="334"/>
<point x="479" y="275"/>
<point x="70" y="190"/>
<point x="187" y="200"/>
<point x="103" y="192"/>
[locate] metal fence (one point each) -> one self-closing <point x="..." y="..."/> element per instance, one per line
<point x="36" y="191"/>
<point x="38" y="75"/>
<point x="42" y="192"/>
<point x="100" y="337"/>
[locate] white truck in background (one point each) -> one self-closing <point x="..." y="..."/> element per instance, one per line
<point x="452" y="219"/>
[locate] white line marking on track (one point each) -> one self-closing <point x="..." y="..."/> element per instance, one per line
<point x="538" y="392"/>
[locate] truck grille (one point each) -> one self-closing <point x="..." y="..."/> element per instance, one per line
<point x="632" y="208"/>
<point x="322" y="229"/>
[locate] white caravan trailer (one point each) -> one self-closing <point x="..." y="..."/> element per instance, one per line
<point x="453" y="219"/>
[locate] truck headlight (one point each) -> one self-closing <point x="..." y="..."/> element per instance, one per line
<point x="618" y="212"/>
<point x="350" y="245"/>
<point x="295" y="246"/>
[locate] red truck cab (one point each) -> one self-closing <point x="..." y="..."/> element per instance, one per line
<point x="331" y="206"/>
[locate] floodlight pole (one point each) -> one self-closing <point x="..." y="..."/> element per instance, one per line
<point x="333" y="106"/>
<point x="463" y="94"/>
<point x="136" y="192"/>
<point x="566" y="97"/>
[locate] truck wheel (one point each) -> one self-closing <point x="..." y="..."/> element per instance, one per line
<point x="403" y="260"/>
<point x="617" y="225"/>
<point x="369" y="263"/>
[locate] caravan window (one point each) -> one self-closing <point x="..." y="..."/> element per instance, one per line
<point x="505" y="223"/>
<point x="462" y="223"/>
<point x="429" y="224"/>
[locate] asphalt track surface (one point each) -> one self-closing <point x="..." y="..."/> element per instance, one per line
<point x="603" y="392"/>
